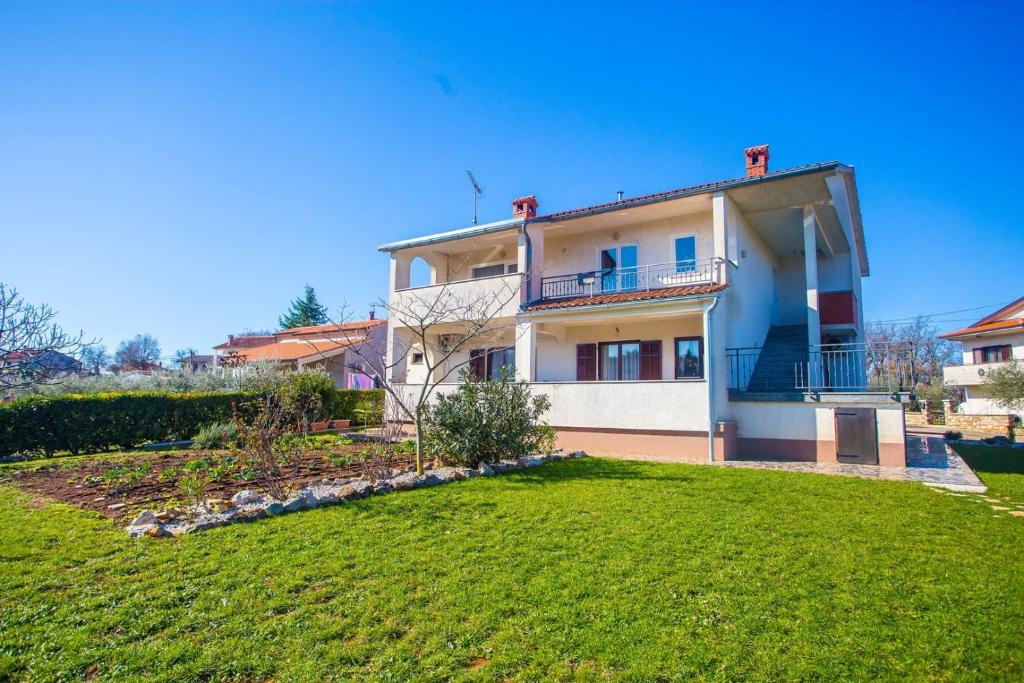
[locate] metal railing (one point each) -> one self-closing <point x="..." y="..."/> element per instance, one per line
<point x="741" y="361"/>
<point x="855" y="367"/>
<point x="638" y="278"/>
<point x="860" y="366"/>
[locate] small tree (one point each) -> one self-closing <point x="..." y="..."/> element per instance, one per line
<point x="139" y="353"/>
<point x="260" y="437"/>
<point x="304" y="312"/>
<point x="34" y="349"/>
<point x="1005" y="384"/>
<point x="95" y="359"/>
<point x="440" y="324"/>
<point x="306" y="396"/>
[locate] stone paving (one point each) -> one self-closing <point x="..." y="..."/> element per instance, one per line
<point x="929" y="461"/>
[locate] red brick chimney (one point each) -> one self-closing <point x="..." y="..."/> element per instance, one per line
<point x="524" y="207"/>
<point x="757" y="160"/>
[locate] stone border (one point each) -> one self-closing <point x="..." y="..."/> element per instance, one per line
<point x="247" y="506"/>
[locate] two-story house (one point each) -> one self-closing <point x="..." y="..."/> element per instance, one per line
<point x="716" y="321"/>
<point x="987" y="344"/>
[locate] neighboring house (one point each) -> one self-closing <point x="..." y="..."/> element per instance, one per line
<point x="195" y="363"/>
<point x="237" y="342"/>
<point x="39" y="363"/>
<point x="723" y="318"/>
<point x="988" y="343"/>
<point x="330" y="348"/>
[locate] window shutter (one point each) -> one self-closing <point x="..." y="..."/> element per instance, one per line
<point x="1004" y="352"/>
<point x="586" y="362"/>
<point x="979" y="356"/>
<point x="650" y="359"/>
<point x="478" y="364"/>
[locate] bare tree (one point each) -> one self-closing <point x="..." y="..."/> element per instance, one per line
<point x="139" y="353"/>
<point x="380" y="452"/>
<point x="918" y="344"/>
<point x="34" y="349"/>
<point x="260" y="437"/>
<point x="439" y="323"/>
<point x="95" y="359"/>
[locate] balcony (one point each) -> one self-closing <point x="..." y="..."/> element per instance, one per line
<point x="474" y="299"/>
<point x="633" y="279"/>
<point x="968" y="375"/>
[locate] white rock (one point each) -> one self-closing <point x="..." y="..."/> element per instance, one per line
<point x="135" y="531"/>
<point x="246" y="498"/>
<point x="143" y="518"/>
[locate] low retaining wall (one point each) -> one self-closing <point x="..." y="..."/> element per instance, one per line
<point x="989" y="424"/>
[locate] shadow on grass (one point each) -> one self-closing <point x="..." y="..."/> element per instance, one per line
<point x="993" y="460"/>
<point x="589" y="469"/>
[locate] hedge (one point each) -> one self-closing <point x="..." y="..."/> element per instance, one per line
<point x="90" y="423"/>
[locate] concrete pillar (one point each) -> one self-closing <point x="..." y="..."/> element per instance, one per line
<point x="526" y="344"/>
<point x="533" y="261"/>
<point x="399" y="276"/>
<point x="720" y="208"/>
<point x="811" y="276"/>
<point x="947" y="407"/>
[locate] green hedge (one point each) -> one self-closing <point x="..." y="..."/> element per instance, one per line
<point x="98" y="422"/>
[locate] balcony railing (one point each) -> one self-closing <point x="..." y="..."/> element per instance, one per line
<point x="634" y="279"/>
<point x="853" y="367"/>
<point x="862" y="366"/>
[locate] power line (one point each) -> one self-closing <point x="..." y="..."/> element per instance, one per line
<point x="914" y="318"/>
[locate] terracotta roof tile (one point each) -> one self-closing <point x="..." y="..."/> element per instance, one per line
<point x="624" y="297"/>
<point x="290" y="350"/>
<point x="333" y="327"/>
<point x="986" y="327"/>
<point x="707" y="187"/>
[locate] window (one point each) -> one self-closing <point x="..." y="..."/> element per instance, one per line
<point x="618" y="361"/>
<point x="512" y="268"/>
<point x="500" y="358"/>
<point x="991" y="354"/>
<point x="487" y="363"/>
<point x="618" y="268"/>
<point x="686" y="254"/>
<point x="689" y="358"/>
<point x="488" y="271"/>
<point x="417" y="359"/>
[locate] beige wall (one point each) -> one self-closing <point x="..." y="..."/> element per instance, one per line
<point x="579" y="252"/>
<point x="556" y="343"/>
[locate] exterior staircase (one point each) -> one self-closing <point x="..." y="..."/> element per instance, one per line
<point x="784" y="347"/>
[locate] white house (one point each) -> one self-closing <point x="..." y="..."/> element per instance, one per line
<point x="987" y="344"/>
<point x="722" y="320"/>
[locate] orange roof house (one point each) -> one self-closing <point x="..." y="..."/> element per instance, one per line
<point x="331" y="348"/>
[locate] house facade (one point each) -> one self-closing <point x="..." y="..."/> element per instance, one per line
<point x="717" y="321"/>
<point x="989" y="343"/>
<point x="336" y="349"/>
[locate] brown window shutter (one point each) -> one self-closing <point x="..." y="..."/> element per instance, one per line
<point x="979" y="356"/>
<point x="650" y="359"/>
<point x="478" y="364"/>
<point x="1004" y="352"/>
<point x="586" y="362"/>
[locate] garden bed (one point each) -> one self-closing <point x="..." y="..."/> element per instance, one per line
<point x="119" y="486"/>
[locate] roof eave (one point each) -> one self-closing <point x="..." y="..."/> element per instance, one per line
<point x="460" y="233"/>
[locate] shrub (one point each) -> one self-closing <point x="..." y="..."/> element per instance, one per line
<point x="192" y="487"/>
<point x="98" y="422"/>
<point x="306" y="396"/>
<point x="485" y="422"/>
<point x="216" y="435"/>
<point x="953" y="435"/>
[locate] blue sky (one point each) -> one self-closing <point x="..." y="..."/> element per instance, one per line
<point x="184" y="169"/>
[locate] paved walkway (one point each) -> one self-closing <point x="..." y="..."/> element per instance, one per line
<point x="929" y="461"/>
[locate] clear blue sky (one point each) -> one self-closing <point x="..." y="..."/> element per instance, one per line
<point x="183" y="169"/>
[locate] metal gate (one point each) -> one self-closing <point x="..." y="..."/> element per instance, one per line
<point x="856" y="435"/>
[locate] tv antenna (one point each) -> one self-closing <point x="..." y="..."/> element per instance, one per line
<point x="476" y="191"/>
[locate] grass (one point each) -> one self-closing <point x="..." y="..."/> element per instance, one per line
<point x="1001" y="469"/>
<point x="579" y="570"/>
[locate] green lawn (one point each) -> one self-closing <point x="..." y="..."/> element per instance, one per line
<point x="579" y="570"/>
<point x="1002" y="469"/>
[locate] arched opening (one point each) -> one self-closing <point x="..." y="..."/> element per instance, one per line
<point x="419" y="273"/>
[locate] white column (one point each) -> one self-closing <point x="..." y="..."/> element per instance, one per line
<point x="526" y="343"/>
<point x="532" y="267"/>
<point x="720" y="225"/>
<point x="811" y="275"/>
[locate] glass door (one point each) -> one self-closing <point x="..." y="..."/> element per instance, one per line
<point x="619" y="268"/>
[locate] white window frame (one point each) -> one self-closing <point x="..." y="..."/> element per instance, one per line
<point x="696" y="246"/>
<point x="504" y="268"/>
